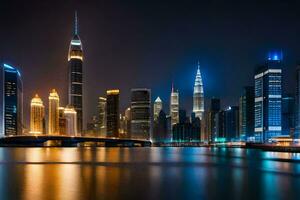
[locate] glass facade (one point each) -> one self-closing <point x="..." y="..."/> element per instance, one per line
<point x="11" y="113"/>
<point x="141" y="114"/>
<point x="267" y="107"/>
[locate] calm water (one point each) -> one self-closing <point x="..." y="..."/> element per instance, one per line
<point x="147" y="173"/>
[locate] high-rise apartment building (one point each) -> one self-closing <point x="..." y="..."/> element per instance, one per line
<point x="37" y="116"/>
<point x="53" y="117"/>
<point x="112" y="113"/>
<point x="141" y="113"/>
<point x="268" y="91"/>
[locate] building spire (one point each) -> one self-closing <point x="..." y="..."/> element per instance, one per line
<point x="76" y="24"/>
<point x="172" y="87"/>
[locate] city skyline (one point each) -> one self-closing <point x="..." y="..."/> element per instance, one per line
<point x="212" y="64"/>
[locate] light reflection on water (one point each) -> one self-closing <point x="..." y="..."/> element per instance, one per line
<point x="147" y="173"/>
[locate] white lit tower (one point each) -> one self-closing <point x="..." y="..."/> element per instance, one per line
<point x="174" y="107"/>
<point x="198" y="97"/>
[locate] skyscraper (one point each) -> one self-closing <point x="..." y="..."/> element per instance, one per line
<point x="157" y="107"/>
<point x="11" y="101"/>
<point x="297" y="112"/>
<point x="288" y="115"/>
<point x="37" y="116"/>
<point x="198" y="97"/>
<point x="75" y="59"/>
<point x="128" y="122"/>
<point x="160" y="128"/>
<point x="247" y="114"/>
<point x="53" y="118"/>
<point x="174" y="107"/>
<point x="102" y="116"/>
<point x="62" y="123"/>
<point x="214" y="108"/>
<point x="268" y="99"/>
<point x="71" y="120"/>
<point x="232" y="123"/>
<point x="112" y="113"/>
<point x="140" y="113"/>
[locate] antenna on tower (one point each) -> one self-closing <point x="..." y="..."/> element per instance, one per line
<point x="76" y="24"/>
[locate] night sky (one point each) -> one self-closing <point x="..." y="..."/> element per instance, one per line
<point x="148" y="44"/>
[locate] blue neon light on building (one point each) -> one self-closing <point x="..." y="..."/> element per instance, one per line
<point x="268" y="91"/>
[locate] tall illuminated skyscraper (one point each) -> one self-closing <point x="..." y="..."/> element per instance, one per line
<point x="267" y="109"/>
<point x="112" y="113"/>
<point x="53" y="118"/>
<point x="75" y="59"/>
<point x="297" y="111"/>
<point x="102" y="115"/>
<point x="71" y="121"/>
<point x="140" y="113"/>
<point x="198" y="97"/>
<point x="157" y="107"/>
<point x="37" y="116"/>
<point x="174" y="107"/>
<point x="11" y="101"/>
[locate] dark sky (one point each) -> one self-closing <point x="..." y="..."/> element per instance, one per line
<point x="131" y="44"/>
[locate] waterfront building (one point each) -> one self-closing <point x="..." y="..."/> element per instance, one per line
<point x="297" y="113"/>
<point x="157" y="107"/>
<point x="127" y="122"/>
<point x="160" y="128"/>
<point x="220" y="126"/>
<point x="75" y="78"/>
<point x="186" y="131"/>
<point x="205" y="126"/>
<point x="11" y="101"/>
<point x="198" y="96"/>
<point x="141" y="113"/>
<point x="112" y="113"/>
<point x="37" y="116"/>
<point x="61" y="121"/>
<point x="213" y="109"/>
<point x="71" y="120"/>
<point x="232" y="123"/>
<point x="53" y="118"/>
<point x="268" y="91"/>
<point x="174" y="107"/>
<point x="288" y="115"/>
<point x="102" y="116"/>
<point x="92" y="126"/>
<point x="247" y="114"/>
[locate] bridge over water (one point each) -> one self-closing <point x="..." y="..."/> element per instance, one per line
<point x="64" y="141"/>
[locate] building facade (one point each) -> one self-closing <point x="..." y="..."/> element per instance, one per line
<point x="112" y="113"/>
<point x="11" y="101"/>
<point x="247" y="114"/>
<point x="141" y="113"/>
<point x="71" y="121"/>
<point x="268" y="91"/>
<point x="231" y="123"/>
<point x="37" y="116"/>
<point x="53" y="117"/>
<point x="102" y="116"/>
<point x="174" y="107"/>
<point x="288" y="115"/>
<point x="75" y="60"/>
<point x="157" y="107"/>
<point x="214" y="108"/>
<point x="198" y="96"/>
<point x="297" y="112"/>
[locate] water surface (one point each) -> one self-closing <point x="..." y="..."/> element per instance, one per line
<point x="147" y="173"/>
